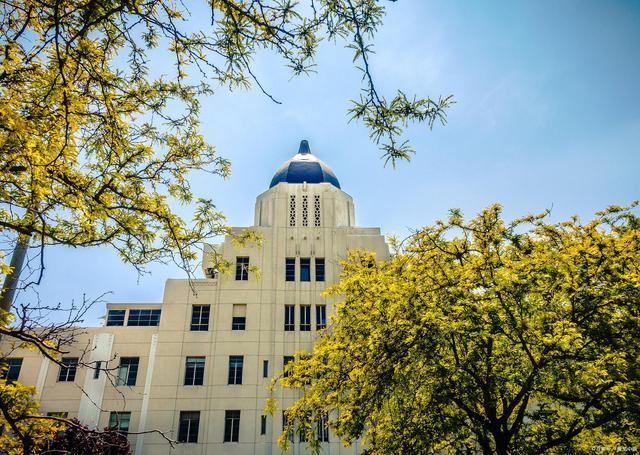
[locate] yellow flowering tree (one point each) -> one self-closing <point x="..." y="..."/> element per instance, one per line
<point x="484" y="336"/>
<point x="23" y="430"/>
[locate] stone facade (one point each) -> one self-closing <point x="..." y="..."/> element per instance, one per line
<point x="312" y="223"/>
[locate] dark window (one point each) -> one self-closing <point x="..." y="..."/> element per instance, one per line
<point x="96" y="370"/>
<point x="321" y="317"/>
<point x="68" y="369"/>
<point x="322" y="429"/>
<point x="305" y="318"/>
<point x="13" y="370"/>
<point x="289" y="318"/>
<point x="235" y="369"/>
<point x="238" y="323"/>
<point x="231" y="426"/>
<point x="285" y="361"/>
<point x="284" y="426"/>
<point x="263" y="424"/>
<point x="200" y="318"/>
<point x="290" y="269"/>
<point x="194" y="371"/>
<point x="128" y="371"/>
<point x="265" y="368"/>
<point x="319" y="269"/>
<point x="242" y="268"/>
<point x="305" y="269"/>
<point x="239" y="319"/>
<point x="189" y="424"/>
<point x="144" y="318"/>
<point x="61" y="414"/>
<point x="115" y="317"/>
<point x="119" y="421"/>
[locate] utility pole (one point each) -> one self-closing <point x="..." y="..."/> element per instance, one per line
<point x="12" y="279"/>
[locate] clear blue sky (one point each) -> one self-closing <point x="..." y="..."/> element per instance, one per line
<point x="547" y="115"/>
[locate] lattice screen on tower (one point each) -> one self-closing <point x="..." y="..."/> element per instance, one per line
<point x="305" y="210"/>
<point x="292" y="210"/>
<point x="317" y="210"/>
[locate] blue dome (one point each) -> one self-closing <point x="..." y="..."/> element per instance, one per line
<point x="304" y="167"/>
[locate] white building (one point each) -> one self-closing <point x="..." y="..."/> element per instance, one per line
<point x="198" y="365"/>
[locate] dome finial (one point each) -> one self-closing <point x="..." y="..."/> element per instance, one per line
<point x="304" y="147"/>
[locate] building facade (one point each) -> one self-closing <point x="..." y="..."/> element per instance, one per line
<point x="198" y="365"/>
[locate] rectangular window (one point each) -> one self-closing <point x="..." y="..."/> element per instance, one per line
<point x="115" y="317"/>
<point x="242" y="268"/>
<point x="285" y="360"/>
<point x="96" y="370"/>
<point x="290" y="269"/>
<point x="128" y="371"/>
<point x="305" y="269"/>
<point x="263" y="424"/>
<point x="60" y="414"/>
<point x="119" y="421"/>
<point x="265" y="368"/>
<point x="319" y="269"/>
<point x="231" y="426"/>
<point x="68" y="369"/>
<point x="144" y="318"/>
<point x="305" y="318"/>
<point x="200" y="318"/>
<point x="235" y="369"/>
<point x="13" y="370"/>
<point x="194" y="371"/>
<point x="321" y="317"/>
<point x="239" y="319"/>
<point x="289" y="318"/>
<point x="189" y="425"/>
<point x="322" y="429"/>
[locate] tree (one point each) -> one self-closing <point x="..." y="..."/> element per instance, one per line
<point x="77" y="439"/>
<point x="487" y="336"/>
<point x="22" y="428"/>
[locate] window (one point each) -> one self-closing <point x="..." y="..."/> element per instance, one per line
<point x="289" y="318"/>
<point x="284" y="426"/>
<point x="235" y="369"/>
<point x="239" y="319"/>
<point x="189" y="424"/>
<point x="290" y="269"/>
<point x="115" y="317"/>
<point x="305" y="269"/>
<point x="292" y="210"/>
<point x="231" y="426"/>
<point x="322" y="429"/>
<point x="265" y="368"/>
<point x="13" y="370"/>
<point x="305" y="210"/>
<point x="200" y="318"/>
<point x="321" y="317"/>
<point x="96" y="370"/>
<point x="305" y="318"/>
<point x="286" y="359"/>
<point x="194" y="371"/>
<point x="144" y="318"/>
<point x="128" y="371"/>
<point x="68" y="369"/>
<point x="263" y="424"/>
<point x="242" y="268"/>
<point x="60" y="414"/>
<point x="319" y="269"/>
<point x="119" y="421"/>
<point x="317" y="210"/>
